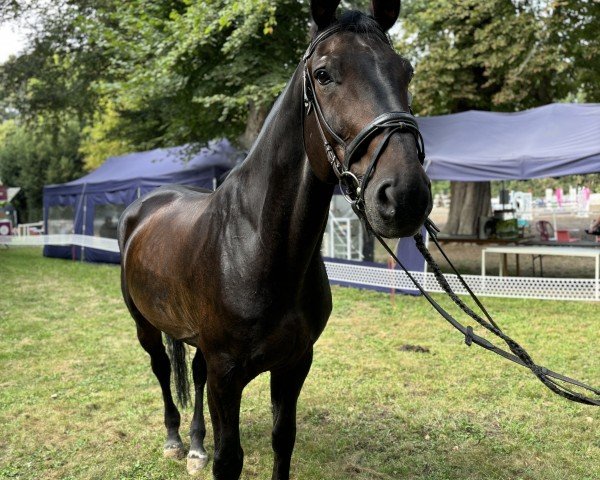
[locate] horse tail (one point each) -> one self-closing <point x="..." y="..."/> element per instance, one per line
<point x="178" y="356"/>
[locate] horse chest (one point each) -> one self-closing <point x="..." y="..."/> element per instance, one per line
<point x="265" y="328"/>
<point x="275" y="345"/>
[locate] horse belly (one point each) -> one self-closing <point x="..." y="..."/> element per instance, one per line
<point x="163" y="281"/>
<point x="162" y="300"/>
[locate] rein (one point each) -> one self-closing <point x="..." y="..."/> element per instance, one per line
<point x="353" y="190"/>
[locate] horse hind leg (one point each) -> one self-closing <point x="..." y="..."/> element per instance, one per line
<point x="197" y="456"/>
<point x="151" y="340"/>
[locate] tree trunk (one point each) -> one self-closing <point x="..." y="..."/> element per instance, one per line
<point x="256" y="117"/>
<point x="468" y="202"/>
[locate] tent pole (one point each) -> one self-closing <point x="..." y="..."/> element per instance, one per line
<point x="83" y="229"/>
<point x="77" y="216"/>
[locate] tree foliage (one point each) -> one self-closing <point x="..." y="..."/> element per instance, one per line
<point x="151" y="73"/>
<point x="31" y="157"/>
<point x="172" y="71"/>
<point x="188" y="71"/>
<point x="502" y="55"/>
<point x="56" y="75"/>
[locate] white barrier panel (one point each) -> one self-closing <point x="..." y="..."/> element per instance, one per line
<point x="359" y="275"/>
<point x="513" y="287"/>
<point x="87" y="241"/>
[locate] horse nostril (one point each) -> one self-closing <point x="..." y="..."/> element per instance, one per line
<point x="386" y="200"/>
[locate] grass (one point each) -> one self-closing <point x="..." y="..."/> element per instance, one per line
<point x="78" y="399"/>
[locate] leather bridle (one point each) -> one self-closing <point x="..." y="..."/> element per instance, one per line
<point x="389" y="123"/>
<point x="353" y="190"/>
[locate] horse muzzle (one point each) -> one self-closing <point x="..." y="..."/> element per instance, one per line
<point x="398" y="206"/>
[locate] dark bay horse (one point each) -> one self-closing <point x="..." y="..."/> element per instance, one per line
<point x="237" y="273"/>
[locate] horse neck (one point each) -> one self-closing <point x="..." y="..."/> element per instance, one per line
<point x="287" y="201"/>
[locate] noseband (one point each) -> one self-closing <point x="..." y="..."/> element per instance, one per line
<point x="352" y="188"/>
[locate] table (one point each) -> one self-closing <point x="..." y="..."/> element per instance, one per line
<point x="539" y="252"/>
<point x="442" y="238"/>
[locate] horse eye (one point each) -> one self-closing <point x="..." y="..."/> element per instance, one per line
<point x="323" y="77"/>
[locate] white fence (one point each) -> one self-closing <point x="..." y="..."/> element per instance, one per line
<point x="368" y="276"/>
<point x="514" y="287"/>
<point x="25" y="229"/>
<point x="106" y="244"/>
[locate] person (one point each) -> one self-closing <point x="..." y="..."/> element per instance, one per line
<point x="108" y="228"/>
<point x="594" y="227"/>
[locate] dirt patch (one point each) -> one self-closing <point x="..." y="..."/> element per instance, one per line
<point x="414" y="348"/>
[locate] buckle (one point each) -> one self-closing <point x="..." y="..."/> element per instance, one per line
<point x="469" y="336"/>
<point x="350" y="186"/>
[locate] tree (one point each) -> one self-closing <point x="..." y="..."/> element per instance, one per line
<point x="97" y="143"/>
<point x="33" y="157"/>
<point x="145" y="74"/>
<point x="498" y="55"/>
<point x="148" y="74"/>
<point x="191" y="71"/>
<point x="575" y="24"/>
<point x="54" y="77"/>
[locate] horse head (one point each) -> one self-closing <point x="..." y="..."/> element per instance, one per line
<point x="357" y="103"/>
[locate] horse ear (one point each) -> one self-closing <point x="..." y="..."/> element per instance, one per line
<point x="385" y="12"/>
<point x="323" y="12"/>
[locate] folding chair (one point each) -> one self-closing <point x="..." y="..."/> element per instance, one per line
<point x="545" y="229"/>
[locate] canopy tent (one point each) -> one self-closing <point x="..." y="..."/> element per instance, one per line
<point x="549" y="141"/>
<point x="91" y="205"/>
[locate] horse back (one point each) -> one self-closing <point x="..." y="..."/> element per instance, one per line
<point x="145" y="207"/>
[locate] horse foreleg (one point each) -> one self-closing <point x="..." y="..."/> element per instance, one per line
<point x="224" y="398"/>
<point x="151" y="340"/>
<point x="285" y="389"/>
<point x="197" y="456"/>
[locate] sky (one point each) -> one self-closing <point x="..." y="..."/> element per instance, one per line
<point x="11" y="42"/>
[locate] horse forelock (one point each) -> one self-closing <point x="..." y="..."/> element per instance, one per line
<point x="353" y="21"/>
<point x="361" y="24"/>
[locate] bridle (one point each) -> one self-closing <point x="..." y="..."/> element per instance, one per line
<point x="352" y="188"/>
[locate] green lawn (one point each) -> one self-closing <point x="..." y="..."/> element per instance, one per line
<point x="78" y="399"/>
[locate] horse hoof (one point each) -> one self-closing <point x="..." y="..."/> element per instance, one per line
<point x="196" y="461"/>
<point x="174" y="451"/>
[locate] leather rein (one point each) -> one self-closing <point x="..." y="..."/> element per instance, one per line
<point x="353" y="190"/>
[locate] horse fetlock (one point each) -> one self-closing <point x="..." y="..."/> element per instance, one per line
<point x="174" y="449"/>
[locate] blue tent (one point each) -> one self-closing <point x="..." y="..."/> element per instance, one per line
<point x="91" y="205"/>
<point x="549" y="141"/>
